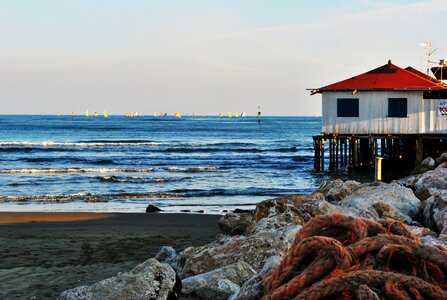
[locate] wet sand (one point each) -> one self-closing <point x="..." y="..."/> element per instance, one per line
<point x="42" y="254"/>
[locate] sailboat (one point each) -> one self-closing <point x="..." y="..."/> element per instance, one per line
<point x="230" y="115"/>
<point x="178" y="115"/>
<point x="105" y="114"/>
<point x="237" y="115"/>
<point x="87" y="113"/>
<point x="243" y="114"/>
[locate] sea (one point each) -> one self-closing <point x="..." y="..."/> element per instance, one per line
<point x="123" y="164"/>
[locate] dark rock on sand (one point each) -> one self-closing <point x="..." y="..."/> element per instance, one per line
<point x="152" y="208"/>
<point x="243" y="211"/>
<point x="236" y="223"/>
<point x="148" y="280"/>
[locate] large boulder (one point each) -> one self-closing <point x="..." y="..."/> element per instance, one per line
<point x="148" y="280"/>
<point x="386" y="211"/>
<point x="399" y="197"/>
<point x="253" y="288"/>
<point x="429" y="182"/>
<point x="426" y="165"/>
<point x="434" y="210"/>
<point x="218" y="284"/>
<point x="236" y="223"/>
<point x="167" y="255"/>
<point x="335" y="190"/>
<point x="441" y="159"/>
<point x="254" y="250"/>
<point x="301" y="208"/>
<point x="217" y="289"/>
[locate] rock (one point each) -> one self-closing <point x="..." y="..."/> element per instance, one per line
<point x="441" y="159"/>
<point x="253" y="288"/>
<point x="434" y="210"/>
<point x="422" y="231"/>
<point x="254" y="250"/>
<point x="434" y="242"/>
<point x="442" y="165"/>
<point x="302" y="208"/>
<point x="428" y="162"/>
<point x="335" y="190"/>
<point x="236" y="223"/>
<point x="148" y="280"/>
<point x="167" y="255"/>
<point x="429" y="182"/>
<point x="238" y="211"/>
<point x="152" y="208"/>
<point x="288" y="214"/>
<point x="399" y="197"/>
<point x="199" y="285"/>
<point x="386" y="211"/>
<point x="426" y="165"/>
<point x="217" y="289"/>
<point x="409" y="181"/>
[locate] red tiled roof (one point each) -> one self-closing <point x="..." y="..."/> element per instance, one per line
<point x="387" y="77"/>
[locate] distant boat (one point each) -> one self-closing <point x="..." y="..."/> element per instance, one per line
<point x="237" y="115"/>
<point x="230" y="115"/>
<point x="220" y="114"/>
<point x="243" y="114"/>
<point x="96" y="113"/>
<point x="105" y="114"/>
<point x="87" y="113"/>
<point x="177" y="114"/>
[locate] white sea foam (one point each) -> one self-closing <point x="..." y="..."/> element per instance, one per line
<point x="79" y="144"/>
<point x="76" y="170"/>
<point x="192" y="169"/>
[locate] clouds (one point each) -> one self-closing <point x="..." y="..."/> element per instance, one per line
<point x="208" y="57"/>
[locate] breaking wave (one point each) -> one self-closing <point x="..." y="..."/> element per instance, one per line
<point x="192" y="169"/>
<point x="76" y="170"/>
<point x="179" y="193"/>
<point x="136" y="179"/>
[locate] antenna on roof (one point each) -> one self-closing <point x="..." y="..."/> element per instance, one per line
<point x="427" y="46"/>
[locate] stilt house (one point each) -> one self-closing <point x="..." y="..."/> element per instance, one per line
<point x="399" y="114"/>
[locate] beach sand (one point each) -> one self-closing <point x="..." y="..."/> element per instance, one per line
<point x="42" y="254"/>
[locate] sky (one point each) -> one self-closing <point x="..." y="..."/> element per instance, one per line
<point x="202" y="56"/>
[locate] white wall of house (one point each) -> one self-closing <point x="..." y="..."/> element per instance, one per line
<point x="422" y="118"/>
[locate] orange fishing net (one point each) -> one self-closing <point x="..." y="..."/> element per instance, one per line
<point x="342" y="257"/>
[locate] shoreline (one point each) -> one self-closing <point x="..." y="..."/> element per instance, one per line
<point x="43" y="254"/>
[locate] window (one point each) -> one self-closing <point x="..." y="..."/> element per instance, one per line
<point x="397" y="107"/>
<point x="348" y="108"/>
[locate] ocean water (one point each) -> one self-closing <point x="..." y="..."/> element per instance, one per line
<point x="65" y="163"/>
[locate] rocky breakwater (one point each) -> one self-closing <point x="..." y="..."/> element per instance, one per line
<point x="272" y="252"/>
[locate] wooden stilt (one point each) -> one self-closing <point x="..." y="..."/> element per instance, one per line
<point x="419" y="150"/>
<point x="336" y="144"/>
<point x="322" y="154"/>
<point x="355" y="153"/>
<point x="317" y="154"/>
